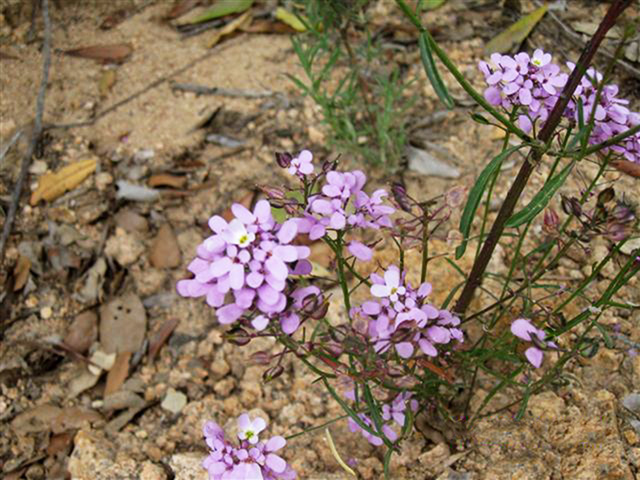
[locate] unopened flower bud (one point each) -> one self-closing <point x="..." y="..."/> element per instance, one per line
<point x="571" y="206"/>
<point x="239" y="337"/>
<point x="606" y="195"/>
<point x="551" y="220"/>
<point x="284" y="159"/>
<point x="327" y="166"/>
<point x="321" y="311"/>
<point x="623" y="213"/>
<point x="273" y="372"/>
<point x="333" y="348"/>
<point x="261" y="358"/>
<point x="272" y="193"/>
<point x="399" y="193"/>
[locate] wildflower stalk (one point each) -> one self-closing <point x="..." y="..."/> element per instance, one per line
<point x="544" y="136"/>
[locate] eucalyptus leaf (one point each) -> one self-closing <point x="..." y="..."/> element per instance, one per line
<point x="223" y="8"/>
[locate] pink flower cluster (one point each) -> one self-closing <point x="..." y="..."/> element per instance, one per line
<point x="392" y="413"/>
<point x="522" y="328"/>
<point x="251" y="460"/>
<point x="245" y="264"/>
<point x="535" y="83"/>
<point x="402" y="318"/>
<point x="343" y="205"/>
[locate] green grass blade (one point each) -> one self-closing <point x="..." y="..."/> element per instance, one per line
<point x="432" y="72"/>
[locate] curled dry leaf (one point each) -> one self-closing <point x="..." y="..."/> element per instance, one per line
<point x="166" y="180"/>
<point x="161" y="337"/>
<point x="625" y="166"/>
<point x="180" y="8"/>
<point x="242" y="21"/>
<point x="115" y="53"/>
<point x="118" y="373"/>
<point x="21" y="272"/>
<point x="52" y="185"/>
<point x="82" y="332"/>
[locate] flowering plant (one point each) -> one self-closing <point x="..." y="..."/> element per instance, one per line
<point x="395" y="355"/>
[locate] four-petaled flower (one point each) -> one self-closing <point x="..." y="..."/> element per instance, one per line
<point x="523" y="329"/>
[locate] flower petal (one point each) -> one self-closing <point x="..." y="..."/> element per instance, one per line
<point x="288" y="231"/>
<point x="277" y="268"/>
<point x="275" y="463"/>
<point x="535" y="356"/>
<point x="229" y="313"/>
<point x="242" y="213"/>
<point x="360" y="251"/>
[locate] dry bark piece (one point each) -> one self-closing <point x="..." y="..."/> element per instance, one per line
<point x="21" y="272"/>
<point x="165" y="252"/>
<point x="115" y="53"/>
<point x="52" y="185"/>
<point x="59" y="443"/>
<point x="131" y="221"/>
<point x="118" y="373"/>
<point x="123" y="324"/>
<point x="82" y="332"/>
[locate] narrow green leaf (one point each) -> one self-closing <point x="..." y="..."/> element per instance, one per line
<point x="476" y="117"/>
<point x="432" y="72"/>
<point x="223" y="8"/>
<point x="540" y="200"/>
<point x="523" y="405"/>
<point x="516" y="33"/>
<point x="475" y="196"/>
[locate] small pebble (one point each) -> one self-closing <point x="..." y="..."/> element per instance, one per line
<point x="46" y="312"/>
<point x="174" y="401"/>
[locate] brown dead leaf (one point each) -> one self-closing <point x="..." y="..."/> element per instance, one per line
<point x="82" y="332"/>
<point x="181" y="8"/>
<point x="106" y="82"/>
<point x="114" y="53"/>
<point x="123" y="324"/>
<point x="35" y="420"/>
<point x="59" y="443"/>
<point x="118" y="373"/>
<point x="165" y="251"/>
<point x="72" y="418"/>
<point x="240" y="22"/>
<point x="265" y="25"/>
<point x="166" y="180"/>
<point x="21" y="272"/>
<point x="7" y="56"/>
<point x="625" y="166"/>
<point x="161" y="337"/>
<point x="52" y="185"/>
<point x="131" y="221"/>
<point x="116" y="18"/>
<point x="246" y="200"/>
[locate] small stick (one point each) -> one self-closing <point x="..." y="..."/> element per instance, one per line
<point x="35" y="136"/>
<point x="9" y="144"/>
<point x="225" y="92"/>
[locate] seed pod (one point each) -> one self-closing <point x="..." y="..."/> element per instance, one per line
<point x="607" y="195"/>
<point x="261" y="358"/>
<point x="400" y="196"/>
<point x="551" y="219"/>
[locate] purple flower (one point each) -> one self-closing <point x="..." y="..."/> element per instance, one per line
<point x="251" y="460"/>
<point x="301" y="165"/>
<point x="249" y="259"/>
<point x="360" y="251"/>
<point x="342" y="204"/>
<point x="523" y="329"/>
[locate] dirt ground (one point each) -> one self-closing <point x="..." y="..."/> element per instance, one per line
<point x="90" y="254"/>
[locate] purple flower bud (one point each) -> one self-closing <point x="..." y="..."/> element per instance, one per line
<point x="272" y="193"/>
<point x="607" y="195"/>
<point x="320" y="312"/>
<point x="272" y="373"/>
<point x="551" y="220"/>
<point x="399" y="193"/>
<point x="284" y="159"/>
<point x="261" y="358"/>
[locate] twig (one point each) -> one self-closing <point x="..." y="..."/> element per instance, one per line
<point x="5" y="148"/>
<point x="577" y="40"/>
<point x="225" y="92"/>
<point x="37" y="131"/>
<point x="521" y="180"/>
<point x="151" y="86"/>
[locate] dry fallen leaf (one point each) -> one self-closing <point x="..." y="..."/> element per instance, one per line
<point x="82" y="332"/>
<point x="107" y="81"/>
<point x="161" y="337"/>
<point x="516" y="32"/>
<point x="123" y="324"/>
<point x="115" y="53"/>
<point x="21" y="272"/>
<point x="166" y="180"/>
<point x="118" y="373"/>
<point x="181" y="8"/>
<point x="625" y="166"/>
<point x="52" y="185"/>
<point x="72" y="418"/>
<point x="37" y="419"/>
<point x="165" y="252"/>
<point x="242" y="21"/>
